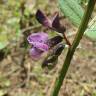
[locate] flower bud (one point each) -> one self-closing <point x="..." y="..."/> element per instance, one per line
<point x="53" y="23"/>
<point x="52" y="58"/>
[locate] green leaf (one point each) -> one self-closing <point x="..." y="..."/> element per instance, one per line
<point x="2" y="92"/>
<point x="3" y="40"/>
<point x="3" y="45"/>
<point x="13" y="23"/>
<point x="9" y="32"/>
<point x="72" y="10"/>
<point x="91" y="30"/>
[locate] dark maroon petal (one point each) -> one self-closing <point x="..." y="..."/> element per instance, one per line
<point x="42" y="18"/>
<point x="55" y="21"/>
<point x="55" y="40"/>
<point x="61" y="29"/>
<point x="58" y="49"/>
<point x="51" y="60"/>
<point x="56" y="24"/>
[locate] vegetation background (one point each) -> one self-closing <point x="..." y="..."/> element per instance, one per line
<point x="19" y="74"/>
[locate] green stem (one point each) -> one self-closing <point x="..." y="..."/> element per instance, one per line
<point x="72" y="49"/>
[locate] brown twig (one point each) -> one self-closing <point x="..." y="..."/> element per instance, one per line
<point x="67" y="41"/>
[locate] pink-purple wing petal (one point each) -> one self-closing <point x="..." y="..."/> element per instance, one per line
<point x="35" y="53"/>
<point x="37" y="37"/>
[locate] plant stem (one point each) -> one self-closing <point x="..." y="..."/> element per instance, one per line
<point x="72" y="49"/>
<point x="67" y="41"/>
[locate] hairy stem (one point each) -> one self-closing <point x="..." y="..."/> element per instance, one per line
<point x="72" y="49"/>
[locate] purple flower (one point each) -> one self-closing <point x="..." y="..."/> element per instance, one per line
<point x="39" y="44"/>
<point x="53" y="23"/>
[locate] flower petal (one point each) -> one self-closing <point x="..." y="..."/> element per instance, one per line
<point x="41" y="46"/>
<point x="56" y="24"/>
<point x="43" y="19"/>
<point x="35" y="53"/>
<point x="56" y="21"/>
<point x="54" y="41"/>
<point x="37" y="37"/>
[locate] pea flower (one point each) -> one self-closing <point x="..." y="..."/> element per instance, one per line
<point x="41" y="43"/>
<point x="38" y="42"/>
